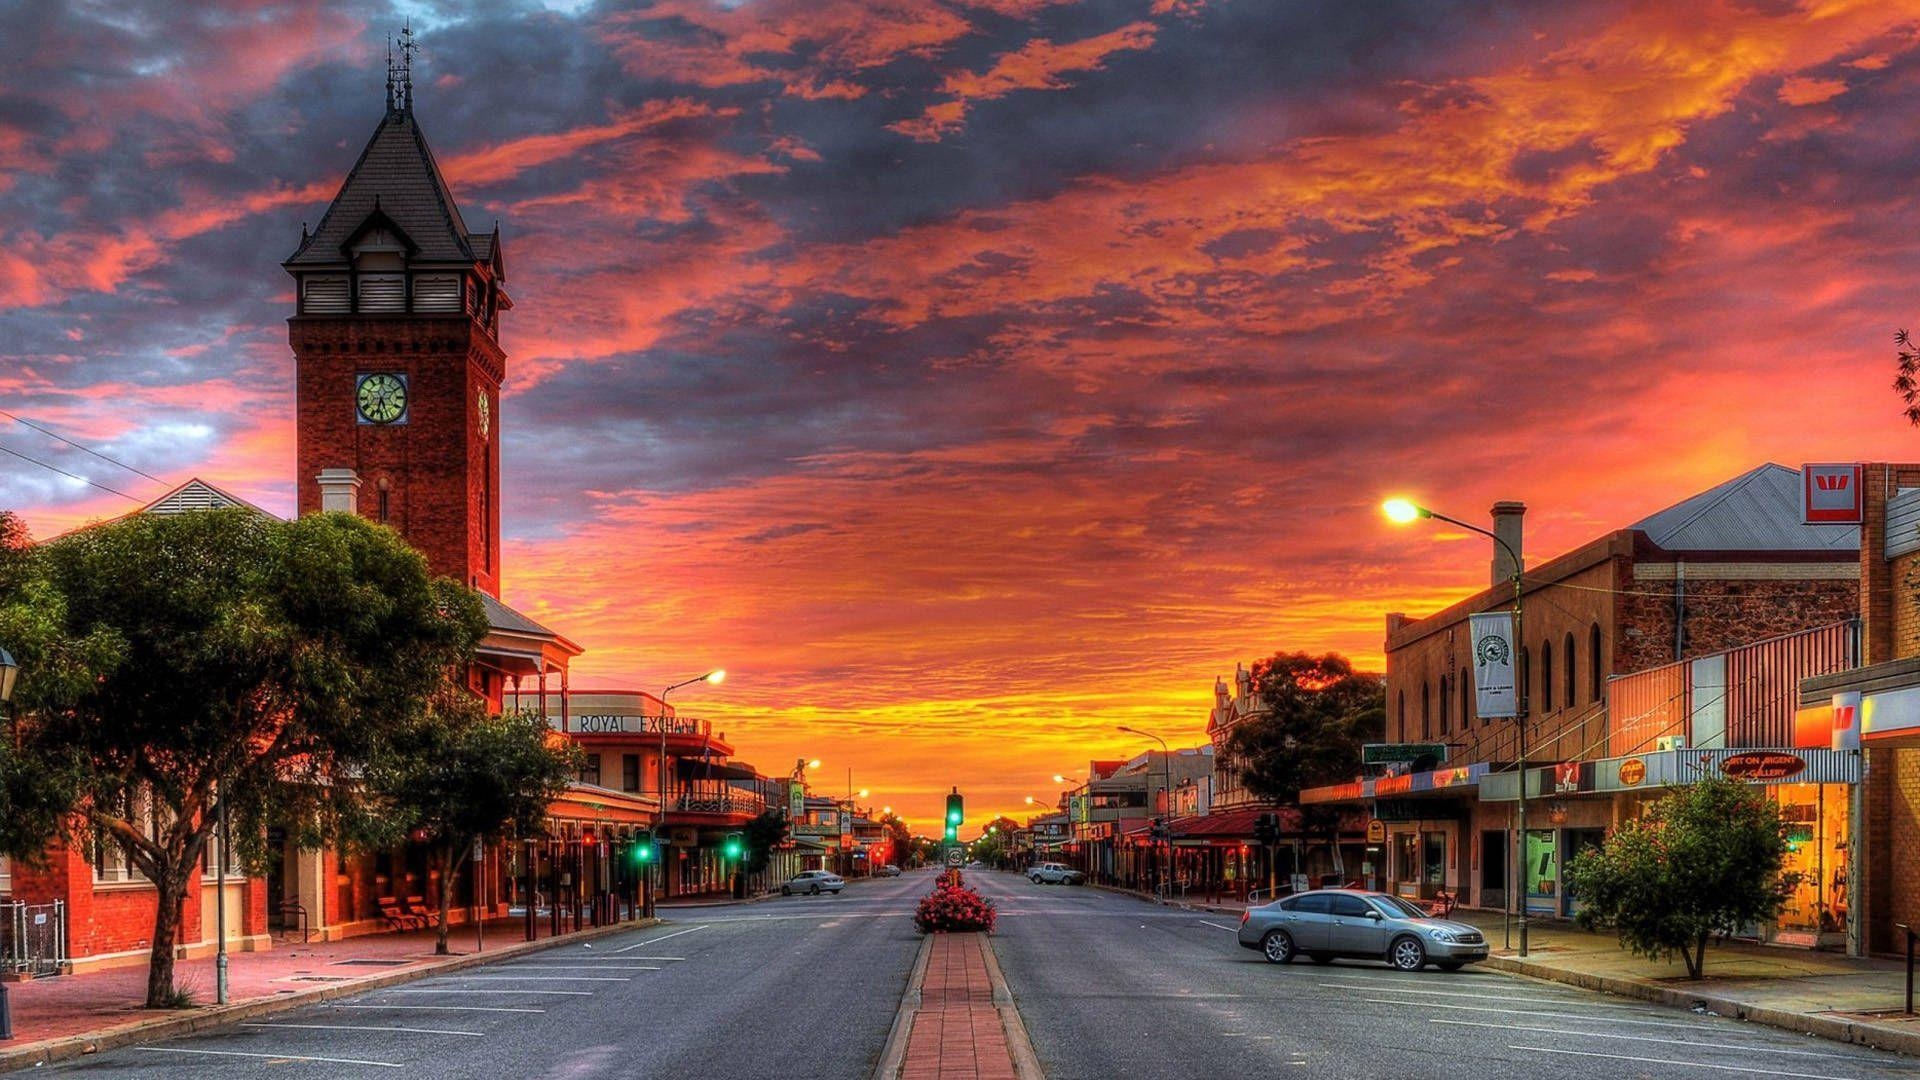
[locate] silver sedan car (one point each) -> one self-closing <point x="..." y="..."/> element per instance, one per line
<point x="1327" y="923"/>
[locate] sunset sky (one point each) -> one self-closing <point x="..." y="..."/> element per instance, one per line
<point x="969" y="377"/>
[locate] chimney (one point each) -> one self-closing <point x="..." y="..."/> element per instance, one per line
<point x="1506" y="526"/>
<point x="339" y="490"/>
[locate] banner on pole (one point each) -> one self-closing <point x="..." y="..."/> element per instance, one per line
<point x="1493" y="664"/>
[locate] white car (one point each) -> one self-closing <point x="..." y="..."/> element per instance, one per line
<point x="813" y="883"/>
<point x="1053" y="873"/>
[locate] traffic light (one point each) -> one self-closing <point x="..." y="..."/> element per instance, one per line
<point x="1266" y="828"/>
<point x="643" y="849"/>
<point x="956" y="813"/>
<point x="734" y="847"/>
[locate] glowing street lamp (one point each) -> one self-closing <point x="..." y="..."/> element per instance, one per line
<point x="1403" y="512"/>
<point x="716" y="676"/>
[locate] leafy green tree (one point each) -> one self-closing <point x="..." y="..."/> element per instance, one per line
<point x="224" y="657"/>
<point x="762" y="835"/>
<point x="900" y="848"/>
<point x="1315" y="713"/>
<point x="1707" y="858"/>
<point x="460" y="776"/>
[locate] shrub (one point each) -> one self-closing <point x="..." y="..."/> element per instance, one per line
<point x="953" y="908"/>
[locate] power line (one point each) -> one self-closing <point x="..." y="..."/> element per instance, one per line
<point x="77" y="446"/>
<point x="70" y="476"/>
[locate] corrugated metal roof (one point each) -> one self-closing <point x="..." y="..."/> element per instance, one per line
<point x="1758" y="510"/>
<point x="502" y="617"/>
<point x="397" y="174"/>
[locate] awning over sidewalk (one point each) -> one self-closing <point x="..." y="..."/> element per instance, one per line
<point x="1455" y="780"/>
<point x="590" y="803"/>
<point x="1660" y="768"/>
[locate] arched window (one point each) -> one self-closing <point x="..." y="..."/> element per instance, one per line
<point x="1593" y="661"/>
<point x="1546" y="676"/>
<point x="1446" y="705"/>
<point x="1523" y="683"/>
<point x="1466" y="700"/>
<point x="1572" y="683"/>
<point x="1426" y="712"/>
<point x="1400" y="715"/>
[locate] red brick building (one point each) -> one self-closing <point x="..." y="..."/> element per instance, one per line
<point x="1730" y="566"/>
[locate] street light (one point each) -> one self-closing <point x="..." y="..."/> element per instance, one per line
<point x="1166" y="774"/>
<point x="716" y="676"/>
<point x="1403" y="511"/>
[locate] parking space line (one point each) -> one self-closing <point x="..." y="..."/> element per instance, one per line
<point x="462" y="990"/>
<point x="368" y="1027"/>
<point x="442" y="1008"/>
<point x="544" y="978"/>
<point x="273" y="1057"/>
<point x="663" y="937"/>
<point x="1739" y="1049"/>
<point x="1670" y="1061"/>
<point x="1534" y="1012"/>
<point x="1217" y="926"/>
<point x="1386" y="986"/>
<point x="578" y="967"/>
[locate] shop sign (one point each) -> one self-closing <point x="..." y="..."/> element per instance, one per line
<point x="1376" y="831"/>
<point x="1763" y="767"/>
<point x="685" y="836"/>
<point x="601" y="724"/>
<point x="1566" y="777"/>
<point x="1846" y="721"/>
<point x="1387" y="753"/>
<point x="1632" y="772"/>
<point x="1397" y="810"/>
<point x="1832" y="494"/>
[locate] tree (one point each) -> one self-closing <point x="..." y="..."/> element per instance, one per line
<point x="460" y="776"/>
<point x="1315" y="713"/>
<point x="1707" y="858"/>
<point x="229" y="659"/>
<point x="1907" y="382"/>
<point x="763" y="834"/>
<point x="899" y="841"/>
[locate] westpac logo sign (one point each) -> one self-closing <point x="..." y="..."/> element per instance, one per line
<point x="1831" y="494"/>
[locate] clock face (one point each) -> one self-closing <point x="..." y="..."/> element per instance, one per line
<point x="381" y="398"/>
<point x="486" y="415"/>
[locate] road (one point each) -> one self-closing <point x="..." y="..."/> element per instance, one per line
<point x="1108" y="987"/>
<point x="803" y="986"/>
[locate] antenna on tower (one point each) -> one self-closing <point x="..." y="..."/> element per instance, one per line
<point x="407" y="48"/>
<point x="389" y="72"/>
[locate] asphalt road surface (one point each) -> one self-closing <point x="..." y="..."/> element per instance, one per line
<point x="803" y="986"/>
<point x="1108" y="988"/>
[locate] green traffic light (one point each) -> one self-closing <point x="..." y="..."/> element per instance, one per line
<point x="643" y="853"/>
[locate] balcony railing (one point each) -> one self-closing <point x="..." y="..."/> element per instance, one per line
<point x="721" y="802"/>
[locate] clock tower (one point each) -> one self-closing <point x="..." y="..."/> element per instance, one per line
<point x="397" y="355"/>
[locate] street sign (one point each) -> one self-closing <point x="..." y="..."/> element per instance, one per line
<point x="1376" y="831"/>
<point x="955" y="857"/>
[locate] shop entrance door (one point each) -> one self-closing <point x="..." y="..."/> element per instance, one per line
<point x="1493" y="868"/>
<point x="1542" y="872"/>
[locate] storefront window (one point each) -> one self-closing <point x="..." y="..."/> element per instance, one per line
<point x="1542" y="871"/>
<point x="1406" y="860"/>
<point x="1433" y="859"/>
<point x="1816" y="826"/>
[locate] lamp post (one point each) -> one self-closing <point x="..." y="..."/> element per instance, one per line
<point x="9" y="671"/>
<point x="1166" y="774"/>
<point x="1401" y="511"/>
<point x="715" y="676"/>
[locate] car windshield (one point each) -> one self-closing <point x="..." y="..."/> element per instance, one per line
<point x="1398" y="908"/>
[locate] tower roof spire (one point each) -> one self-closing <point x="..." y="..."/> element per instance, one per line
<point x="400" y="71"/>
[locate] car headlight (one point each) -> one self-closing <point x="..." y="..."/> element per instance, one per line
<point x="1441" y="934"/>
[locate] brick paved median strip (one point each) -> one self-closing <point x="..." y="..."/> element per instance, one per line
<point x="175" y="1026"/>
<point x="963" y="1022"/>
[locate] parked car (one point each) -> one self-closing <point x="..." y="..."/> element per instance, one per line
<point x="814" y="882"/>
<point x="1053" y="873"/>
<point x="888" y="870"/>
<point x="1327" y="923"/>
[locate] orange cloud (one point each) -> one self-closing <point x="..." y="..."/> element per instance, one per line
<point x="1037" y="65"/>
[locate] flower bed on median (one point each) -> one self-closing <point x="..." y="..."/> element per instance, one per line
<point x="952" y="907"/>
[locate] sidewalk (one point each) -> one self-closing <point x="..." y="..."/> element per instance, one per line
<point x="59" y="1017"/>
<point x="1817" y="993"/>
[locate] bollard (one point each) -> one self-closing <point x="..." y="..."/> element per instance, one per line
<point x="1910" y="937"/>
<point x="6" y="1013"/>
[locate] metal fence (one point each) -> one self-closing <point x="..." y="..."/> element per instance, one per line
<point x="33" y="938"/>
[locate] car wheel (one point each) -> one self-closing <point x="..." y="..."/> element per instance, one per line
<point x="1277" y="947"/>
<point x="1450" y="965"/>
<point x="815" y="891"/>
<point x="786" y="890"/>
<point x="1407" y="954"/>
